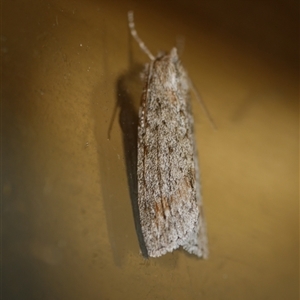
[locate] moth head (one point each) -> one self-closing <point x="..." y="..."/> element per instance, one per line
<point x="171" y="80"/>
<point x="174" y="55"/>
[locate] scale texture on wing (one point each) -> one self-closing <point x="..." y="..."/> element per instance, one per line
<point x="168" y="178"/>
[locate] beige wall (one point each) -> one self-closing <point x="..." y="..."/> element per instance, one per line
<point x="68" y="228"/>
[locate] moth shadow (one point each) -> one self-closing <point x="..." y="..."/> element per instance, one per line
<point x="128" y="89"/>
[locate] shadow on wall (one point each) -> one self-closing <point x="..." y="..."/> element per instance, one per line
<point x="128" y="119"/>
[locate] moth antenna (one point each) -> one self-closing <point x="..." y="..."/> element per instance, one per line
<point x="204" y="108"/>
<point x="180" y="43"/>
<point x="136" y="37"/>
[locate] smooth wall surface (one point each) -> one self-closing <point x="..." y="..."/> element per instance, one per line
<point x="70" y="94"/>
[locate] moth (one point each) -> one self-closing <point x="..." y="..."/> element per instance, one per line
<point x="169" y="198"/>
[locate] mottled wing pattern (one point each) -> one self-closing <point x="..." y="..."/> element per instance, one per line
<point x="168" y="177"/>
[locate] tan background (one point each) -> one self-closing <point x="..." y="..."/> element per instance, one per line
<point x="67" y="223"/>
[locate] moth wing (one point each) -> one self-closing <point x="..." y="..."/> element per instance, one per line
<point x="168" y="177"/>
